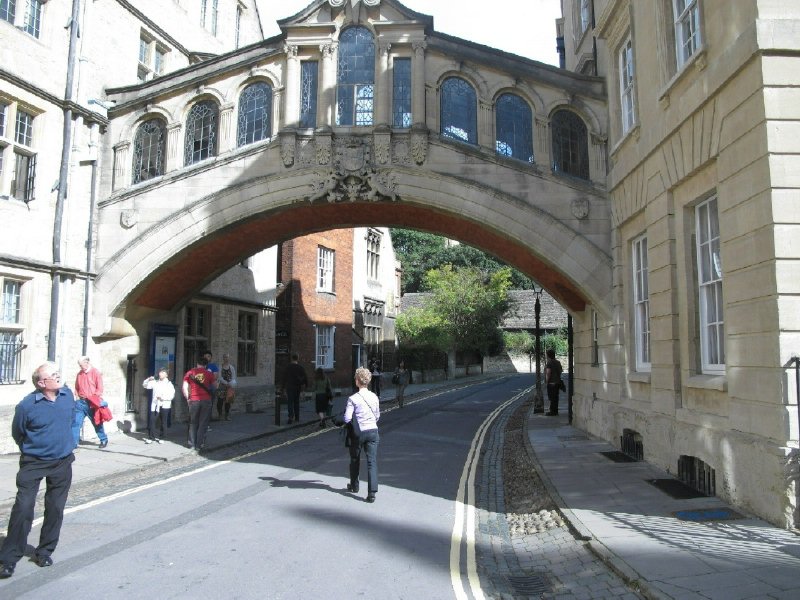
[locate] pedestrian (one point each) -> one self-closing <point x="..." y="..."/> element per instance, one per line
<point x="89" y="390"/>
<point x="401" y="378"/>
<point x="375" y="370"/>
<point x="552" y="377"/>
<point x="226" y="388"/>
<point x="323" y="395"/>
<point x="294" y="382"/>
<point x="197" y="389"/>
<point x="214" y="368"/>
<point x="363" y="410"/>
<point x="42" y="428"/>
<point x="160" y="404"/>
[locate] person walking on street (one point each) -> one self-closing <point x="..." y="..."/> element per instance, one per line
<point x="42" y="428"/>
<point x="363" y="410"/>
<point x="323" y="395"/>
<point x="197" y="388"/>
<point x="160" y="404"/>
<point x="552" y="377"/>
<point x="89" y="390"/>
<point x="375" y="371"/>
<point x="226" y="388"/>
<point x="401" y="378"/>
<point x="294" y="382"/>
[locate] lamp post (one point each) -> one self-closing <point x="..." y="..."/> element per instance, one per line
<point x="538" y="399"/>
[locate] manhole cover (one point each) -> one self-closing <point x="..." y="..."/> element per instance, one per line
<point x="676" y="489"/>
<point x="618" y="456"/>
<point x="529" y="585"/>
<point x="708" y="514"/>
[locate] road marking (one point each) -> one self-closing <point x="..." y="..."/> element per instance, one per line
<point x="465" y="505"/>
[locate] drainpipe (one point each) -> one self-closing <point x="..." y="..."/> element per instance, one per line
<point x="570" y="366"/>
<point x="63" y="176"/>
<point x="89" y="240"/>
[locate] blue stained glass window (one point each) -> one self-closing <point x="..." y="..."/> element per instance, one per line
<point x="514" y="128"/>
<point x="255" y="114"/>
<point x="459" y="111"/>
<point x="201" y="132"/>
<point x="148" y="150"/>
<point x="308" y="93"/>
<point x="401" y="92"/>
<point x="570" y="144"/>
<point x="356" y="77"/>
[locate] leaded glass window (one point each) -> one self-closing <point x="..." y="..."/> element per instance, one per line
<point x="148" y="150"/>
<point x="255" y="114"/>
<point x="23" y="132"/>
<point x="33" y="17"/>
<point x="401" y="92"/>
<point x="201" y="132"/>
<point x="459" y="111"/>
<point x="308" y="94"/>
<point x="356" y="78"/>
<point x="514" y="128"/>
<point x="8" y="9"/>
<point x="570" y="144"/>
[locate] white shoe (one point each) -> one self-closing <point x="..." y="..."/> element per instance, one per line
<point x="148" y="441"/>
<point x="159" y="440"/>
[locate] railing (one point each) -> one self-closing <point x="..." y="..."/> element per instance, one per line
<point x="11" y="347"/>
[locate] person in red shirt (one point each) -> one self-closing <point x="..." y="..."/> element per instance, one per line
<point x="197" y="387"/>
<point x="89" y="391"/>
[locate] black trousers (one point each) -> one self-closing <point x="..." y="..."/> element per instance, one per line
<point x="199" y="416"/>
<point x="552" y="395"/>
<point x="58" y="475"/>
<point x="293" y="403"/>
<point x="368" y="442"/>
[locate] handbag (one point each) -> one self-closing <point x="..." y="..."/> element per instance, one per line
<point x="561" y="385"/>
<point x="349" y="434"/>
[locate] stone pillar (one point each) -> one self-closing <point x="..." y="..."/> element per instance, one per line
<point x="541" y="152"/>
<point x="122" y="161"/>
<point x="326" y="112"/>
<point x="381" y="95"/>
<point x="227" y="129"/>
<point x="174" y="149"/>
<point x="485" y="124"/>
<point x="597" y="157"/>
<point x="292" y="86"/>
<point x="418" y="83"/>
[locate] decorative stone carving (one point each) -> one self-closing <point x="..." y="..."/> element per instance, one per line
<point x="382" y="148"/>
<point x="307" y="152"/>
<point x="580" y="208"/>
<point x="401" y="153"/>
<point x="287" y="148"/>
<point x="337" y="3"/>
<point x="419" y="146"/>
<point x="128" y="218"/>
<point x="290" y="50"/>
<point x="323" y="144"/>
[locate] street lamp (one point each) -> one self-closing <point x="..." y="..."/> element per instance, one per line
<point x="538" y="399"/>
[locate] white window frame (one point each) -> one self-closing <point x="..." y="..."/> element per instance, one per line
<point x="374" y="239"/>
<point x="326" y="260"/>
<point x="585" y="15"/>
<point x="688" y="37"/>
<point x="153" y="63"/>
<point x="641" y="304"/>
<point x="28" y="19"/>
<point x="709" y="287"/>
<point x="16" y="325"/>
<point x="627" y="80"/>
<point x="325" y="335"/>
<point x="17" y="143"/>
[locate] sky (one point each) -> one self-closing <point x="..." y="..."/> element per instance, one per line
<point x="524" y="27"/>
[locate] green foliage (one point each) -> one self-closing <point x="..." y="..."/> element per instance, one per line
<point x="557" y="341"/>
<point x="519" y="342"/>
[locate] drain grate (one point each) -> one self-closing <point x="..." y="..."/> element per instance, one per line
<point x="676" y="489"/>
<point x="701" y="515"/>
<point x="619" y="457"/>
<point x="529" y="585"/>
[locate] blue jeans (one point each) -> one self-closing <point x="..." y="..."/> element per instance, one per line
<point x="84" y="410"/>
<point x="368" y="442"/>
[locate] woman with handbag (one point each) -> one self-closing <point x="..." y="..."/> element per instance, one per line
<point x="363" y="411"/>
<point x="323" y="395"/>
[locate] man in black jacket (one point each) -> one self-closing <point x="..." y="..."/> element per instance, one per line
<point x="294" y="381"/>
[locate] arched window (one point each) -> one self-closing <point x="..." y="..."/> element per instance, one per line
<point x="459" y="112"/>
<point x="570" y="144"/>
<point x="201" y="132"/>
<point x="255" y="114"/>
<point x="148" y="150"/>
<point x="355" y="89"/>
<point x="514" y="128"/>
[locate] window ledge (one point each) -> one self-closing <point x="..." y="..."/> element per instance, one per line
<point x="698" y="59"/>
<point x="708" y="382"/>
<point x="632" y="134"/>
<point x="639" y="377"/>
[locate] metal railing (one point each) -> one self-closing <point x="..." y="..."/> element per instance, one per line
<point x="11" y="347"/>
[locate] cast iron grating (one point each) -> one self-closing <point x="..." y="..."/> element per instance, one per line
<point x="529" y="585"/>
<point x="618" y="457"/>
<point x="702" y="515"/>
<point x="676" y="489"/>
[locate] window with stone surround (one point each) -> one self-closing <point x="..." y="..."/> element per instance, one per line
<point x="201" y="132"/>
<point x="570" y="144"/>
<point x="196" y="333"/>
<point x="401" y="93"/>
<point x="247" y="344"/>
<point x="29" y="20"/>
<point x="641" y="304"/>
<point x="325" y="266"/>
<point x="309" y="70"/>
<point x="459" y="110"/>
<point x="373" y="253"/>
<point x="11" y="331"/>
<point x="238" y="26"/>
<point x="324" y="346"/>
<point x="152" y="57"/>
<point x="687" y="29"/>
<point x="355" y="89"/>
<point x="8" y="9"/>
<point x="149" y="150"/>
<point x="585" y="12"/>
<point x="17" y="153"/>
<point x="626" y="86"/>
<point x="209" y="11"/>
<point x="709" y="283"/>
<point x="373" y="326"/>
<point x="255" y="114"/>
<point x="514" y="128"/>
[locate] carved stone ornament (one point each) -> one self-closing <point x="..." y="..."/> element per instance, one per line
<point x="419" y="146"/>
<point x="128" y="218"/>
<point x="287" y="150"/>
<point x="353" y="154"/>
<point x="580" y="208"/>
<point x="323" y="144"/>
<point x="382" y="148"/>
<point x="307" y="152"/>
<point x="401" y="153"/>
<point x="337" y="3"/>
<point x="368" y="184"/>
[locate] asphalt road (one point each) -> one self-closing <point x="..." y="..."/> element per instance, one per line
<point x="273" y="520"/>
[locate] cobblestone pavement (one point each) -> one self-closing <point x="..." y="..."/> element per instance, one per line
<point x="524" y="548"/>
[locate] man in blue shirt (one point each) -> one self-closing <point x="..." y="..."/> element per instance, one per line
<point x="42" y="428"/>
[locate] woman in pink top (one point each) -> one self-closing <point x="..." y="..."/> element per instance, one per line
<point x="363" y="411"/>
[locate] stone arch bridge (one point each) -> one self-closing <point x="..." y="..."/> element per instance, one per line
<point x="196" y="186"/>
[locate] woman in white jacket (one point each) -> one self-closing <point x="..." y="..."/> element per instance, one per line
<point x="160" y="405"/>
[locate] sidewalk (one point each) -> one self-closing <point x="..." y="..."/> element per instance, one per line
<point x="633" y="525"/>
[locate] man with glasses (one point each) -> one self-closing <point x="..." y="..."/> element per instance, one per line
<point x="42" y="428"/>
<point x="89" y="390"/>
